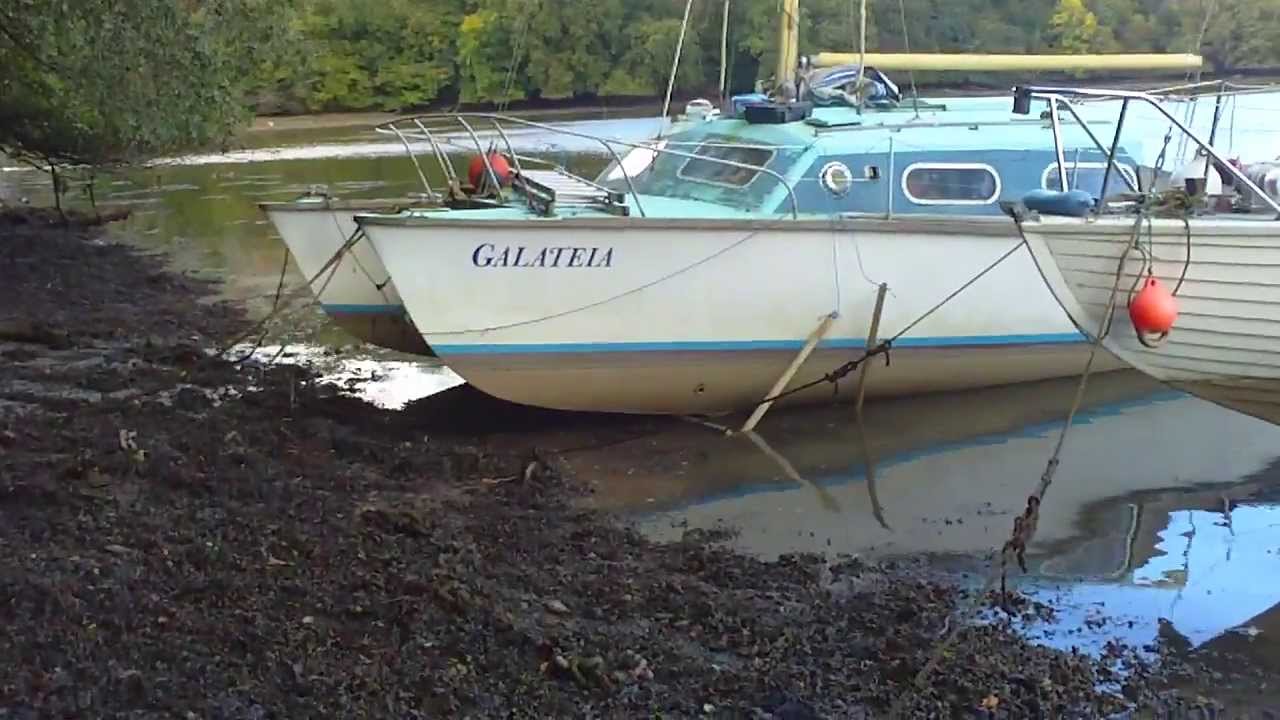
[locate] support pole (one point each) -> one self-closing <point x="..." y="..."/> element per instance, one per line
<point x="873" y="336"/>
<point x="724" y="53"/>
<point x="862" y="53"/>
<point x="815" y="337"/>
<point x="675" y="66"/>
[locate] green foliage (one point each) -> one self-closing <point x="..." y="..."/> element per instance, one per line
<point x="1246" y="32"/>
<point x="111" y="81"/>
<point x="1073" y="28"/>
<point x="102" y="81"/>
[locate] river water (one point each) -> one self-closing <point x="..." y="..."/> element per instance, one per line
<point x="1163" y="518"/>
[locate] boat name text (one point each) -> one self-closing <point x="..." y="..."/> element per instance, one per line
<point x="490" y="255"/>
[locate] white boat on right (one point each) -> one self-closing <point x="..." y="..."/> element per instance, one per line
<point x="1213" y="246"/>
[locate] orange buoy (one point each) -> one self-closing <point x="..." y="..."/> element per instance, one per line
<point x="501" y="168"/>
<point x="1153" y="309"/>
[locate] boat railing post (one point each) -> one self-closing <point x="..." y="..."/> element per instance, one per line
<point x="484" y="156"/>
<point x="1213" y="129"/>
<point x="515" y="158"/>
<point x="1222" y="162"/>
<point x="1188" y="132"/>
<point x="1102" y="148"/>
<point x="446" y="167"/>
<point x="414" y="159"/>
<point x="1057" y="145"/>
<point x="1111" y="155"/>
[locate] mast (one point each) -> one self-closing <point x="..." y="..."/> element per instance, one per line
<point x="788" y="46"/>
<point x="724" y="51"/>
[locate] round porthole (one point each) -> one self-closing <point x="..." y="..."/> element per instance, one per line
<point x="836" y="178"/>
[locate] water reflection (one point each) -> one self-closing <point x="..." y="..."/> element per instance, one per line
<point x="951" y="471"/>
<point x="388" y="384"/>
<point x="1163" y="520"/>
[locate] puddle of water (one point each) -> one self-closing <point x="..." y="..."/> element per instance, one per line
<point x="388" y="384"/>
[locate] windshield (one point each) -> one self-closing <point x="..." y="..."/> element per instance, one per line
<point x="730" y="175"/>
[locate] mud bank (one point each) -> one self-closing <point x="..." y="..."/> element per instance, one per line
<point x="184" y="536"/>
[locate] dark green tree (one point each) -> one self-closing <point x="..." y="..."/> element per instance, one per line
<point x="101" y="82"/>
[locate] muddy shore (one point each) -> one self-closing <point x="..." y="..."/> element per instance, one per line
<point x="186" y="536"/>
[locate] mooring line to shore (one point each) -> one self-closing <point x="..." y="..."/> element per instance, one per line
<point x="1025" y="524"/>
<point x="885" y="346"/>
<point x="330" y="266"/>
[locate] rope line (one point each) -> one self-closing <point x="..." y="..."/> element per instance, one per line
<point x="1024" y="525"/>
<point x="330" y="266"/>
<point x="884" y="346"/>
<point x="275" y="305"/>
<point x="379" y="286"/>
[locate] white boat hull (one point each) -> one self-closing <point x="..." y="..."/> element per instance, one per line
<point x="696" y="316"/>
<point x="1225" y="346"/>
<point x="356" y="292"/>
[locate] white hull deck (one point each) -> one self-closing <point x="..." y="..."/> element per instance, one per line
<point x="1225" y="346"/>
<point x="356" y="292"/>
<point x="677" y="316"/>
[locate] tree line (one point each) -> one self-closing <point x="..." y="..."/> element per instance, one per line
<point x="396" y="54"/>
<point x="100" y="81"/>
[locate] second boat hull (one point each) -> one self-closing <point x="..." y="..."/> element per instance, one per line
<point x="356" y="291"/>
<point x="1225" y="345"/>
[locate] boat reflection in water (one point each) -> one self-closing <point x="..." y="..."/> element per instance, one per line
<point x="1159" y="509"/>
<point x="950" y="471"/>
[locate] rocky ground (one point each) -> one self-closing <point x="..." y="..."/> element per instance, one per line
<point x="185" y="536"/>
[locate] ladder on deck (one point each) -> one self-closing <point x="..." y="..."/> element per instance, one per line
<point x="547" y="189"/>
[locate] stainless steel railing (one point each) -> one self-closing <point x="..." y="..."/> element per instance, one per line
<point x="427" y="128"/>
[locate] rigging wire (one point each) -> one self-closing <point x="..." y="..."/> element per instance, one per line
<point x="675" y="67"/>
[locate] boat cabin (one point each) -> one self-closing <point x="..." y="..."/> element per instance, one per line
<point x="955" y="158"/>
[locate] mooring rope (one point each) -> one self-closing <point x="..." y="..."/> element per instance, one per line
<point x="1025" y="524"/>
<point x="379" y="286"/>
<point x="330" y="266"/>
<point x="884" y="346"/>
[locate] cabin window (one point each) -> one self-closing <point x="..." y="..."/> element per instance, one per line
<point x="721" y="173"/>
<point x="951" y="184"/>
<point x="1088" y="176"/>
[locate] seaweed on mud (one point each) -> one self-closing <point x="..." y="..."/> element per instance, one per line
<point x="192" y="537"/>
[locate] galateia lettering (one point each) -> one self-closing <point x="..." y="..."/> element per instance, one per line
<point x="489" y="255"/>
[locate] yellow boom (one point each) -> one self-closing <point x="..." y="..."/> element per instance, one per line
<point x="990" y="63"/>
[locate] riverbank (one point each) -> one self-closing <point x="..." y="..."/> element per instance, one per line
<point x="188" y="536"/>
<point x="616" y="107"/>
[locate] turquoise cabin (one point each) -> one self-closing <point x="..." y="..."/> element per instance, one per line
<point x="952" y="157"/>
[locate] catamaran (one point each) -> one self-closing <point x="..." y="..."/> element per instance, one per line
<point x="705" y="267"/>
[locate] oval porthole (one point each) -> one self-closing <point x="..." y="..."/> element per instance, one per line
<point x="836" y="178"/>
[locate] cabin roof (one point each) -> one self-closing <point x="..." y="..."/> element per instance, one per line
<point x="960" y="124"/>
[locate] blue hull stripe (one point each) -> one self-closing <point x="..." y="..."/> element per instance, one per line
<point x="363" y="309"/>
<point x="741" y="345"/>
